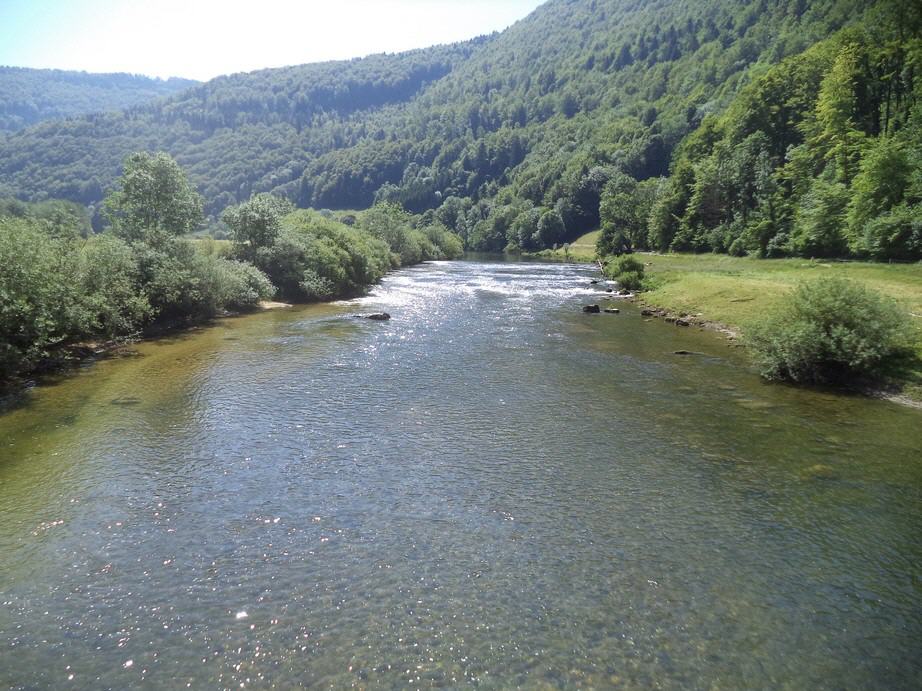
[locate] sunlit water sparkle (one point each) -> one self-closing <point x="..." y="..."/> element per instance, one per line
<point x="492" y="488"/>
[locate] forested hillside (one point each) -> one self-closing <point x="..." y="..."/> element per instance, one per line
<point x="237" y="135"/>
<point x="751" y="126"/>
<point x="29" y="96"/>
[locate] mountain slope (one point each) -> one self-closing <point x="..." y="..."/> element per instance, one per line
<point x="237" y="135"/>
<point x="516" y="139"/>
<point x="29" y="96"/>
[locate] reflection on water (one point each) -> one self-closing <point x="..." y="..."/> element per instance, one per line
<point x="491" y="488"/>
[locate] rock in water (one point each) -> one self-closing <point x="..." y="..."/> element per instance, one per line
<point x="591" y="309"/>
<point x="379" y="317"/>
<point x="819" y="472"/>
<point x="612" y="310"/>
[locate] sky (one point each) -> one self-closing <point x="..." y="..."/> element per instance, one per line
<point x="201" y="39"/>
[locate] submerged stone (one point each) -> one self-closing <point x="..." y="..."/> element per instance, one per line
<point x="819" y="471"/>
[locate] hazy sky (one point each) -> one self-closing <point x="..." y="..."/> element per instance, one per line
<point x="200" y="39"/>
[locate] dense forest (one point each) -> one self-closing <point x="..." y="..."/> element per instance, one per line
<point x="29" y="96"/>
<point x="769" y="127"/>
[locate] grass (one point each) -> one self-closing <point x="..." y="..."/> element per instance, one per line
<point x="580" y="250"/>
<point x="737" y="291"/>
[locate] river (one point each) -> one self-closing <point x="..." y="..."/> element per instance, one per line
<point x="492" y="488"/>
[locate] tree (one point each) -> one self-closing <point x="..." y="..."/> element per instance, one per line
<point x="820" y="220"/>
<point x="879" y="186"/>
<point x="551" y="229"/>
<point x="257" y="222"/>
<point x="835" y="114"/>
<point x="153" y="196"/>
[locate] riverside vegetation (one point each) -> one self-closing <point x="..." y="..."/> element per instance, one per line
<point x="764" y="127"/>
<point x="759" y="128"/>
<point x="62" y="285"/>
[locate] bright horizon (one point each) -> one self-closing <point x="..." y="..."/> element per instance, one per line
<point x="203" y="39"/>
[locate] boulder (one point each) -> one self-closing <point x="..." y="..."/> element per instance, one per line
<point x="591" y="309"/>
<point x="378" y="317"/>
<point x="682" y="322"/>
<point x="647" y="313"/>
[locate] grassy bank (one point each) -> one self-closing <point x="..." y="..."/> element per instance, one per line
<point x="736" y="291"/>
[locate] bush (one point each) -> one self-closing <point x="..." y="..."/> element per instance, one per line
<point x="39" y="305"/>
<point x="896" y="234"/>
<point x="182" y="284"/>
<point x="631" y="280"/>
<point x="830" y="330"/>
<point x="108" y="281"/>
<point x="314" y="258"/>
<point x="628" y="272"/>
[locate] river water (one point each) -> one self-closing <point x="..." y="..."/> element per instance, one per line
<point x="492" y="488"/>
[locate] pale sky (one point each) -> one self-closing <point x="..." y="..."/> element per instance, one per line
<point x="201" y="39"/>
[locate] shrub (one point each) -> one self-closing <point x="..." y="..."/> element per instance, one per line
<point x="830" y="330"/>
<point x="631" y="280"/>
<point x="314" y="258"/>
<point x="896" y="234"/>
<point x="628" y="272"/>
<point x="39" y="304"/>
<point x="182" y="283"/>
<point x="108" y="281"/>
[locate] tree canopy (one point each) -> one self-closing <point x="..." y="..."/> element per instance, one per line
<point x="754" y="117"/>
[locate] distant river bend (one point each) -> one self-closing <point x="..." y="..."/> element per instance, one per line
<point x="492" y="488"/>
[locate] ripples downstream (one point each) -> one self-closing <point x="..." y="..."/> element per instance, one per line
<point x="492" y="488"/>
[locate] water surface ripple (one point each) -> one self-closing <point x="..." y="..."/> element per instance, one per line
<point x="491" y="489"/>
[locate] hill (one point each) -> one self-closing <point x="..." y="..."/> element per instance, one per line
<point x="531" y="137"/>
<point x="29" y="96"/>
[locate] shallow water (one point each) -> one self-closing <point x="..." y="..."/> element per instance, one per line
<point x="492" y="488"/>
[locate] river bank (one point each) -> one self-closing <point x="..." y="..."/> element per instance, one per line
<point x="303" y="498"/>
<point x="70" y="356"/>
<point x="728" y="294"/>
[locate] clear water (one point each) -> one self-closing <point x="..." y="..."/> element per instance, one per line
<point x="490" y="489"/>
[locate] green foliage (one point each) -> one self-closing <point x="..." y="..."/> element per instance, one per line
<point x="880" y="186"/>
<point x="628" y="271"/>
<point x="57" y="288"/>
<point x="256" y="223"/>
<point x="37" y="294"/>
<point x="315" y="258"/>
<point x="29" y="96"/>
<point x="727" y="126"/>
<point x="541" y="116"/>
<point x="153" y="197"/>
<point x="832" y="330"/>
<point x="410" y="245"/>
<point x="895" y="234"/>
<point x="109" y="288"/>
<point x="820" y="223"/>
<point x="182" y="284"/>
<point x="625" y="213"/>
<point x="61" y="219"/>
